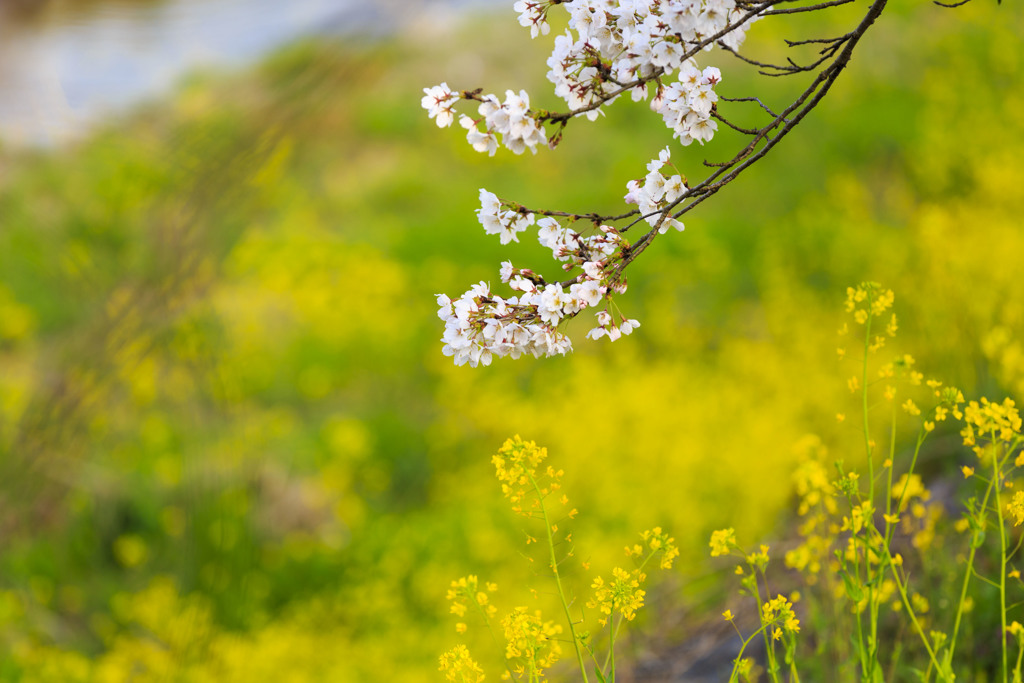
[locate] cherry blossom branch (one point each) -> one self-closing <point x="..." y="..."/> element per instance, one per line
<point x="615" y="48"/>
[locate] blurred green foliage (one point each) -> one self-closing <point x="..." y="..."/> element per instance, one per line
<point x="231" y="448"/>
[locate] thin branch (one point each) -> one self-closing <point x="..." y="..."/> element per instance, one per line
<point x="808" y="8"/>
<point x="814" y="41"/>
<point x="750" y="99"/>
<point x="593" y="217"/>
<point x="738" y="129"/>
<point x="802" y="106"/>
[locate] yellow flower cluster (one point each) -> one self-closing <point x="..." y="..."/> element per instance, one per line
<point x="779" y="612"/>
<point x="722" y="541"/>
<point x="517" y="466"/>
<point x="657" y="540"/>
<point x="466" y="591"/>
<point x="870" y="298"/>
<point x="622" y="595"/>
<point x="1016" y="508"/>
<point x="998" y="421"/>
<point x="531" y="641"/>
<point x="459" y="667"/>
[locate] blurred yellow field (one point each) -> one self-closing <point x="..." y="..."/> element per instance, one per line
<point x="233" y="450"/>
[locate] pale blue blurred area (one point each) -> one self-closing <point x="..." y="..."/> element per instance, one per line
<point x="65" y="64"/>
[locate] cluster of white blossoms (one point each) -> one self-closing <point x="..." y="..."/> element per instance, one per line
<point x="439" y="102"/>
<point x="611" y="47"/>
<point x="618" y="43"/>
<point x="610" y="44"/>
<point x="512" y="119"/>
<point x="686" y="105"/>
<point x="506" y="223"/>
<point x="480" y="325"/>
<point x="657" y="193"/>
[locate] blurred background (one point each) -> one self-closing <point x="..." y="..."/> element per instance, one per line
<point x="230" y="447"/>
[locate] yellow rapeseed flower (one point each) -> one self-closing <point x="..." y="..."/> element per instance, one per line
<point x="1016" y="508"/>
<point x="458" y="666"/>
<point x="466" y="591"/>
<point x="722" y="541"/>
<point x="517" y="466"/>
<point x="759" y="559"/>
<point x="779" y="611"/>
<point x="531" y="641"/>
<point x="993" y="420"/>
<point x="657" y="540"/>
<point x="623" y="594"/>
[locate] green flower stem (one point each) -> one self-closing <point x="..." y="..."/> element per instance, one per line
<point x="861" y="650"/>
<point x="739" y="656"/>
<point x="794" y="675"/>
<point x="864" y="405"/>
<point x="618" y="624"/>
<point x="868" y="654"/>
<point x="558" y="579"/>
<point x="921" y="436"/>
<point x="996" y="467"/>
<point x="967" y="575"/>
<point x="611" y="647"/>
<point x="902" y="588"/>
<point x="769" y="644"/>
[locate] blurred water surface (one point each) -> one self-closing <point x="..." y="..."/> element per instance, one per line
<point x="67" y="63"/>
